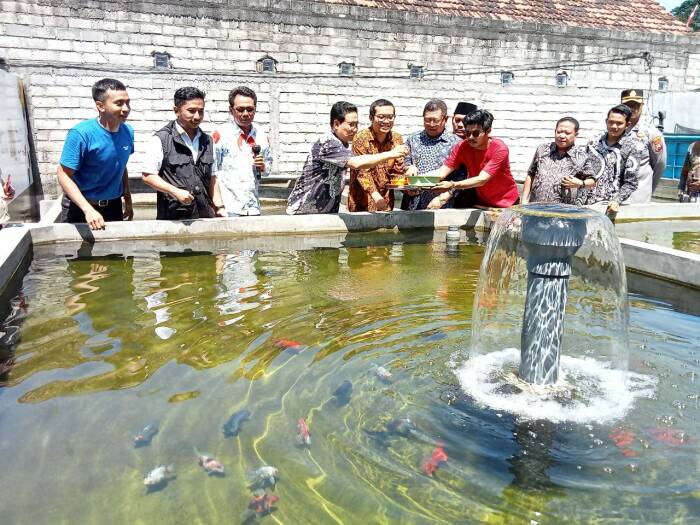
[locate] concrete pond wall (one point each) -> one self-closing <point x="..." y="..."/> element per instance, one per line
<point x="657" y="264"/>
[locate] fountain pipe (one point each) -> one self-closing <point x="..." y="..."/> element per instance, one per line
<point x="550" y="243"/>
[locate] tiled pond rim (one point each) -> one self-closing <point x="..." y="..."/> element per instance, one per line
<point x="17" y="244"/>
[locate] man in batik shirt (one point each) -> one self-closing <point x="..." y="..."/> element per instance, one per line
<point x="615" y="163"/>
<point x="559" y="168"/>
<point x="236" y="166"/>
<point x="369" y="186"/>
<point x="689" y="185"/>
<point x="318" y="189"/>
<point x="429" y="149"/>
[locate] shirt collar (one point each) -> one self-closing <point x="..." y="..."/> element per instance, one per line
<point x="440" y="138"/>
<point x="389" y="136"/>
<point x="553" y="149"/>
<point x="182" y="131"/>
<point x="237" y="128"/>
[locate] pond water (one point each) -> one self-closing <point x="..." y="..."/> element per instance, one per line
<point x="97" y="348"/>
<point x="680" y="235"/>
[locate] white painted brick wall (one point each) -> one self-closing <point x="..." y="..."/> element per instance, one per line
<point x="62" y="49"/>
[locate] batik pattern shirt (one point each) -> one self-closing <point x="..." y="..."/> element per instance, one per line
<point x="233" y="166"/>
<point x="365" y="181"/>
<point x="320" y="185"/>
<point x="428" y="154"/>
<point x="549" y="168"/>
<point x="615" y="170"/>
<point x="691" y="167"/>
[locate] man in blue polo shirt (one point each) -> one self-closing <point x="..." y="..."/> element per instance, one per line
<point x="92" y="169"/>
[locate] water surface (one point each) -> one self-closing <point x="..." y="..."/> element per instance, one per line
<point x="96" y="348"/>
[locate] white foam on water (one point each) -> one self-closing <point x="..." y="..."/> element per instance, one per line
<point x="587" y="390"/>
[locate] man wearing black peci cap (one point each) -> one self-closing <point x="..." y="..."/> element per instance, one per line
<point x="179" y="163"/>
<point x="650" y="148"/>
<point x="461" y="111"/>
<point x="460" y="199"/>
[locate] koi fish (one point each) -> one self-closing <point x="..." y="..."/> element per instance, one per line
<point x="398" y="427"/>
<point x="262" y="503"/>
<point x="343" y="393"/>
<point x="304" y="435"/>
<point x="665" y="435"/>
<point x="438" y="457"/>
<point x="209" y="463"/>
<point x="159" y="476"/>
<point x="622" y="438"/>
<point x="233" y="426"/>
<point x="402" y="426"/>
<point x="144" y="437"/>
<point x="382" y="373"/>
<point x="266" y="476"/>
<point x="287" y="344"/>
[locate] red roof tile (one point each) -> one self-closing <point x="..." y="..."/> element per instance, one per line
<point x="631" y="15"/>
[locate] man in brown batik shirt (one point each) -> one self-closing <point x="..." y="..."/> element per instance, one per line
<point x="368" y="187"/>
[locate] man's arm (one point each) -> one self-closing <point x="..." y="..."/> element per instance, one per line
<point x="526" y="189"/>
<point x="531" y="173"/>
<point x="371" y="160"/>
<point x="264" y="161"/>
<point x="156" y="182"/>
<point x="657" y="157"/>
<point x="65" y="178"/>
<point x="216" y="199"/>
<point x="683" y="182"/>
<point x="128" y="205"/>
<point x="628" y="183"/>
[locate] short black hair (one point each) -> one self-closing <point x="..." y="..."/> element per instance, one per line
<point x="379" y="103"/>
<point x="434" y="105"/>
<point x="100" y="88"/>
<point x="568" y="119"/>
<point x="481" y="117"/>
<point x="622" y="110"/>
<point x="185" y="94"/>
<point x="243" y="91"/>
<point x="340" y="109"/>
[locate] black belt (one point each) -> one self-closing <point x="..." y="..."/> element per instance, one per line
<point x="103" y="203"/>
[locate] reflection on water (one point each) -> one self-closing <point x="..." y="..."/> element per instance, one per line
<point x="96" y="349"/>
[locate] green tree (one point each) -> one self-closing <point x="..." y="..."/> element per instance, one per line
<point x="682" y="12"/>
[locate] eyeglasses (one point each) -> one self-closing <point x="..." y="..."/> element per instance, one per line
<point x="433" y="121"/>
<point x="474" y="134"/>
<point x="244" y="110"/>
<point x="385" y="118"/>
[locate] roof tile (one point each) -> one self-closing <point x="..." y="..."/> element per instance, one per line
<point x="630" y="15"/>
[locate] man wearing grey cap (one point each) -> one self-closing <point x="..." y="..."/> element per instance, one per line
<point x="649" y="145"/>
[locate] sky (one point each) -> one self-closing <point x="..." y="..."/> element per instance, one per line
<point x="670" y="4"/>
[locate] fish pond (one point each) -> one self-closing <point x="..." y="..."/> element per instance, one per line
<point x="680" y="235"/>
<point x="338" y="368"/>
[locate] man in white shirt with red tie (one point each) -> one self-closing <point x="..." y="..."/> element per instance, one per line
<point x="237" y="168"/>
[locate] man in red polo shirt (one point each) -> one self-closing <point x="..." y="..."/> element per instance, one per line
<point x="489" y="182"/>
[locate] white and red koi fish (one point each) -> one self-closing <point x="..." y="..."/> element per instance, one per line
<point x="209" y="463"/>
<point x="304" y="434"/>
<point x="159" y="476"/>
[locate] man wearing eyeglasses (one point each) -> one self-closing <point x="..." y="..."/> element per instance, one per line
<point x="242" y="155"/>
<point x="368" y="186"/>
<point x="486" y="159"/>
<point x="429" y="149"/>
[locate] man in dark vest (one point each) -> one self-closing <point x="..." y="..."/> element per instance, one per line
<point x="179" y="163"/>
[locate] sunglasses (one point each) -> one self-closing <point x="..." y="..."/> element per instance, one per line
<point x="474" y="134"/>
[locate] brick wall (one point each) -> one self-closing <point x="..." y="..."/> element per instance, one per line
<point x="61" y="48"/>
